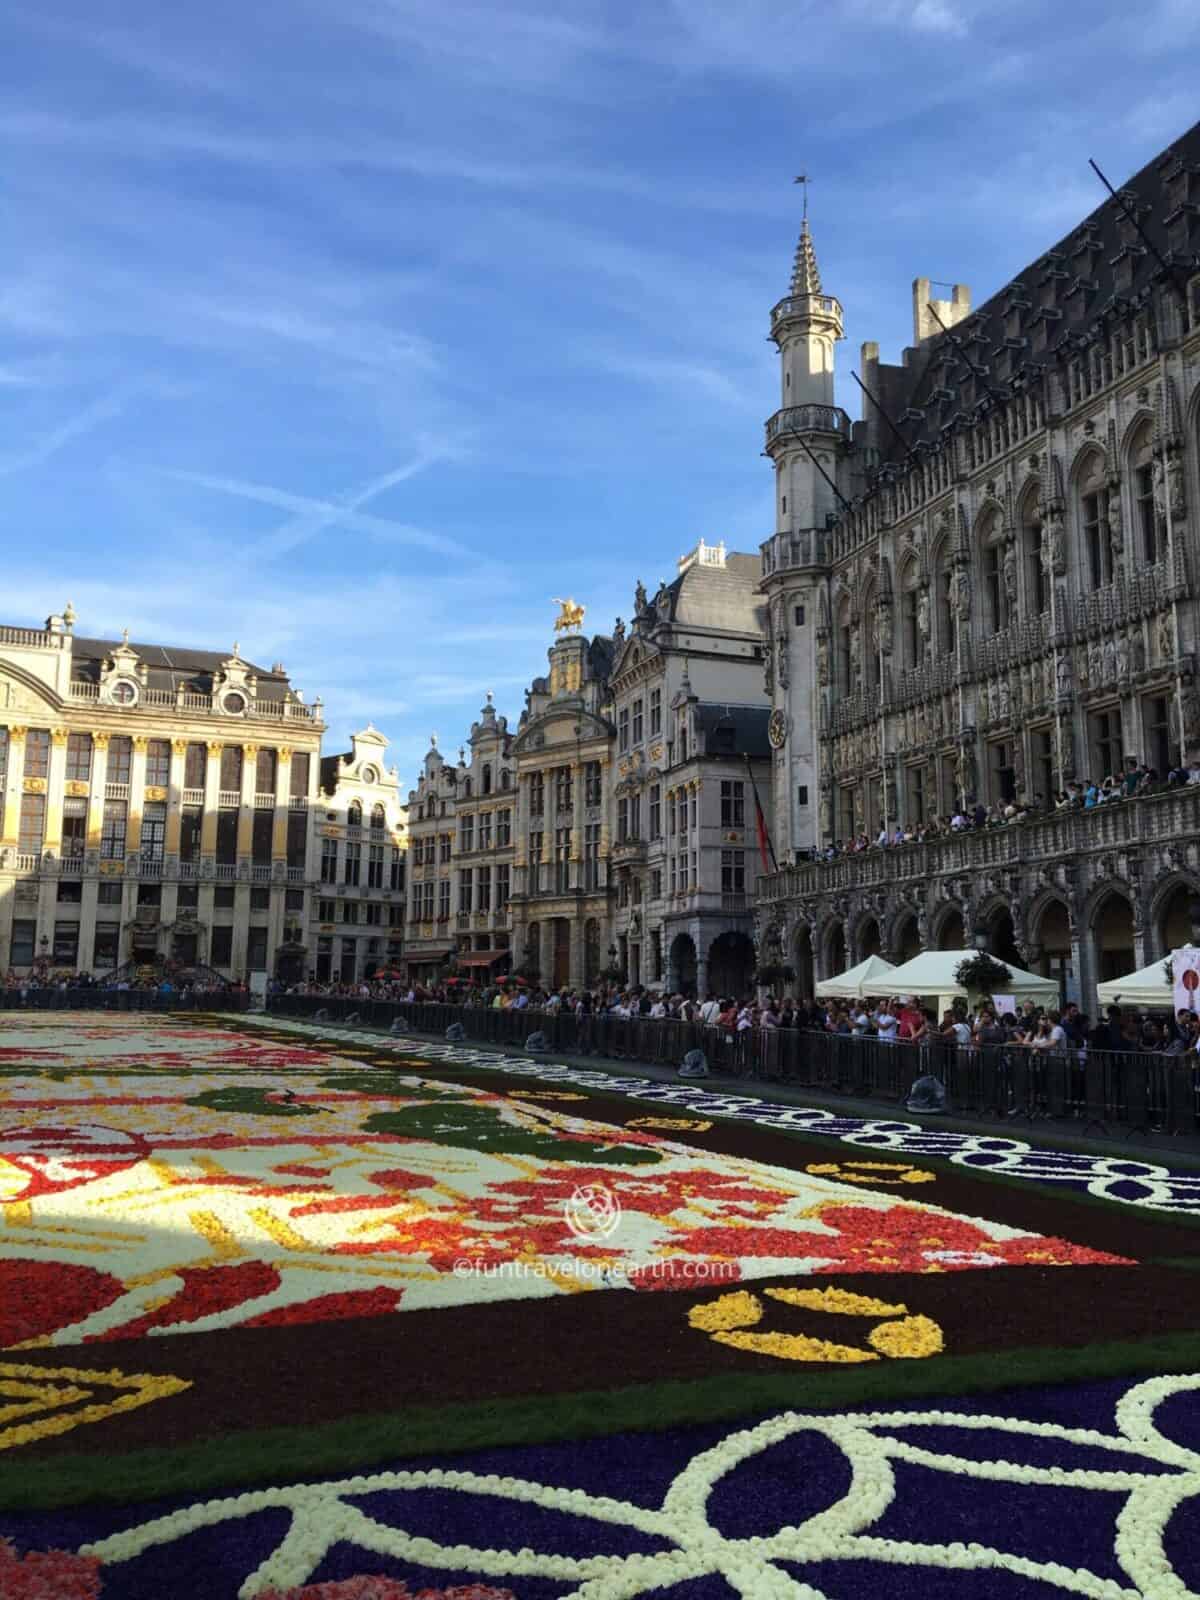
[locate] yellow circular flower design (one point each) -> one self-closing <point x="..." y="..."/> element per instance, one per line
<point x="897" y="1334"/>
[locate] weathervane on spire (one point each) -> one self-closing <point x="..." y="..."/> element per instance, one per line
<point x="805" y="180"/>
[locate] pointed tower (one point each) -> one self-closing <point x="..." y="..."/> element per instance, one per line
<point x="807" y="439"/>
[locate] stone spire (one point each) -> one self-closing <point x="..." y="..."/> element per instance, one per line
<point x="806" y="276"/>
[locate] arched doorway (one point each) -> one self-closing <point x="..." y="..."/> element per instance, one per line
<point x="835" y="945"/>
<point x="591" y="950"/>
<point x="731" y="965"/>
<point x="950" y="934"/>
<point x="1052" y="937"/>
<point x="869" y="942"/>
<point x="682" y="977"/>
<point x="906" y="939"/>
<point x="1002" y="939"/>
<point x="802" y="961"/>
<point x="1174" y="927"/>
<point x="561" y="969"/>
<point x="1112" y="937"/>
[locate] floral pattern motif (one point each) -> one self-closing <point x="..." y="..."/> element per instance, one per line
<point x="162" y="1178"/>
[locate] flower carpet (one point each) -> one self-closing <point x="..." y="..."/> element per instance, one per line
<point x="345" y="1318"/>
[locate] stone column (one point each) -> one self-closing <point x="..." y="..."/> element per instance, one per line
<point x="283" y="789"/>
<point x="13" y="787"/>
<point x="95" y="816"/>
<point x="137" y="789"/>
<point x="246" y="814"/>
<point x="175" y="797"/>
<point x="212" y="786"/>
<point x="52" y="838"/>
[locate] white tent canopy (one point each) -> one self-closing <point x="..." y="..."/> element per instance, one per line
<point x="849" y="985"/>
<point x="1149" y="986"/>
<point x="932" y="973"/>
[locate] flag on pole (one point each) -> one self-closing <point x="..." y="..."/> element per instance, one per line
<point x="766" y="849"/>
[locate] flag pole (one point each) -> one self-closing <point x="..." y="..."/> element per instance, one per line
<point x="760" y="820"/>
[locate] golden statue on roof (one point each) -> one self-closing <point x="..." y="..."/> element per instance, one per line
<point x="571" y="615"/>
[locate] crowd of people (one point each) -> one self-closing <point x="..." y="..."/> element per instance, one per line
<point x="973" y="816"/>
<point x="24" y="984"/>
<point x="900" y="1019"/>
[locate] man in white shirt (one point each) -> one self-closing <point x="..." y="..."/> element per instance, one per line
<point x="859" y="1020"/>
<point x="658" y="1009"/>
<point x="886" y="1023"/>
<point x="710" y="1011"/>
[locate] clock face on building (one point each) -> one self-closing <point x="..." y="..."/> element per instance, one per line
<point x="234" y="704"/>
<point x="123" y="692"/>
<point x="369" y="775"/>
<point x="777" y="730"/>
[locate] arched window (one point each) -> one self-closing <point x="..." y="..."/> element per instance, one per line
<point x="1141" y="475"/>
<point x="910" y="615"/>
<point x="843" y="645"/>
<point x="991" y="550"/>
<point x="466" y="789"/>
<point x="1096" y="539"/>
<point x="378" y="819"/>
<point x="504" y="780"/>
<point x="1037" y="584"/>
<point x="354" y="815"/>
<point x="487" y="777"/>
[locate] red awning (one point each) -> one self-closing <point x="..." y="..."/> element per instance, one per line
<point x="482" y="958"/>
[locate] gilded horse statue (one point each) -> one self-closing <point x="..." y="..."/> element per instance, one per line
<point x="571" y="615"/>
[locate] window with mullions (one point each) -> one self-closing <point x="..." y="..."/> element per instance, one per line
<point x="466" y="834"/>
<point x="655" y="811"/>
<point x="592" y="791"/>
<point x="298" y="784"/>
<point x="655" y="712"/>
<point x="733" y="872"/>
<point x="231" y="767"/>
<point x="37" y="753"/>
<point x="503" y="829"/>
<point x="562" y="860"/>
<point x="396" y="871"/>
<point x="158" y="763"/>
<point x="537" y="794"/>
<point x="1106" y="743"/>
<point x="32" y="824"/>
<point x="120" y="759"/>
<point x="353" y="864"/>
<point x="266" y="770"/>
<point x="1093" y="523"/>
<point x="112" y="831"/>
<point x="375" y="867"/>
<point x="1141" y="461"/>
<point x="79" y="758"/>
<point x="195" y="766"/>
<point x="638" y="721"/>
<point x="623" y="728"/>
<point x="733" y="803"/>
<point x="564" y="798"/>
<point x="154" y="831"/>
<point x="74" y="828"/>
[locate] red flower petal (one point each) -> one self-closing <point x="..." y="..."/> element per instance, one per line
<point x="39" y="1297"/>
<point x="206" y="1290"/>
<point x="47" y="1575"/>
<point x="330" y="1308"/>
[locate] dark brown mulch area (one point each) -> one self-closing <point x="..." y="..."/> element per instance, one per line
<point x="562" y="1344"/>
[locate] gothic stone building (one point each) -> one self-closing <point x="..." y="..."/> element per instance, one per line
<point x="999" y="598"/>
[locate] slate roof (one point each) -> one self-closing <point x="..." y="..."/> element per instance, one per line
<point x="704" y="596"/>
<point x="1060" y="302"/>
<point x="172" y="665"/>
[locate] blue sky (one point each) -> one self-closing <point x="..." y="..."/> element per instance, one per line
<point x="357" y="329"/>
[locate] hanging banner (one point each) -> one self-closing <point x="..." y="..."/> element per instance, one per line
<point x="1185" y="967"/>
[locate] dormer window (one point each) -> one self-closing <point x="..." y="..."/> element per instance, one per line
<point x="1124" y="264"/>
<point x="124" y="693"/>
<point x="234" y="704"/>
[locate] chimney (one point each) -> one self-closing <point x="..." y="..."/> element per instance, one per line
<point x="952" y="311"/>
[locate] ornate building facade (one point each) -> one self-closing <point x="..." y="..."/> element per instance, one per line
<point x="689" y="708"/>
<point x="155" y="805"/>
<point x="360" y="845"/>
<point x="989" y="594"/>
<point x="485" y="811"/>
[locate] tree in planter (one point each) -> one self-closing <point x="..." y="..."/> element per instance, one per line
<point x="775" y="972"/>
<point x="981" y="975"/>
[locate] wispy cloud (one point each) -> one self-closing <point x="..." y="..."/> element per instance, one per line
<point x="330" y="511"/>
<point x="47" y="445"/>
<point x="290" y="535"/>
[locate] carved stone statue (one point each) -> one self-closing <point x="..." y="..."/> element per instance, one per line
<point x="1064" y="674"/>
<point x="1190" y="700"/>
<point x="639" y="598"/>
<point x="964" y="771"/>
<point x="1019" y="766"/>
<point x="1095" y="663"/>
<point x="1110" y="660"/>
<point x="1176" y="488"/>
<point x="885" y="629"/>
<point x="923" y="614"/>
<point x="1122" y="657"/>
<point x="1003" y="697"/>
<point x="1166" y="637"/>
<point x="960" y="593"/>
<point x="781" y="657"/>
<point x="822" y="658"/>
<point x="1055" y="547"/>
<point x="1015" y="696"/>
<point x="1116" y="530"/>
<point x="826" y="813"/>
<point x="1081" y="666"/>
<point x="1139" y="650"/>
<point x="1010" y="574"/>
<point x="618" y="631"/>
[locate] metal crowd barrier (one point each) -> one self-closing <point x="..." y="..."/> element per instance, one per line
<point x="90" y="999"/>
<point x="1101" y="1090"/>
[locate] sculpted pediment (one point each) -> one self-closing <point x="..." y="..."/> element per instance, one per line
<point x="17" y="694"/>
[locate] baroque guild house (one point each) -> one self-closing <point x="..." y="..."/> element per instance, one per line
<point x="154" y="807"/>
<point x="983" y="593"/>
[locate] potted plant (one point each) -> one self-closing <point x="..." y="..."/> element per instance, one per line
<point x="982" y="975"/>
